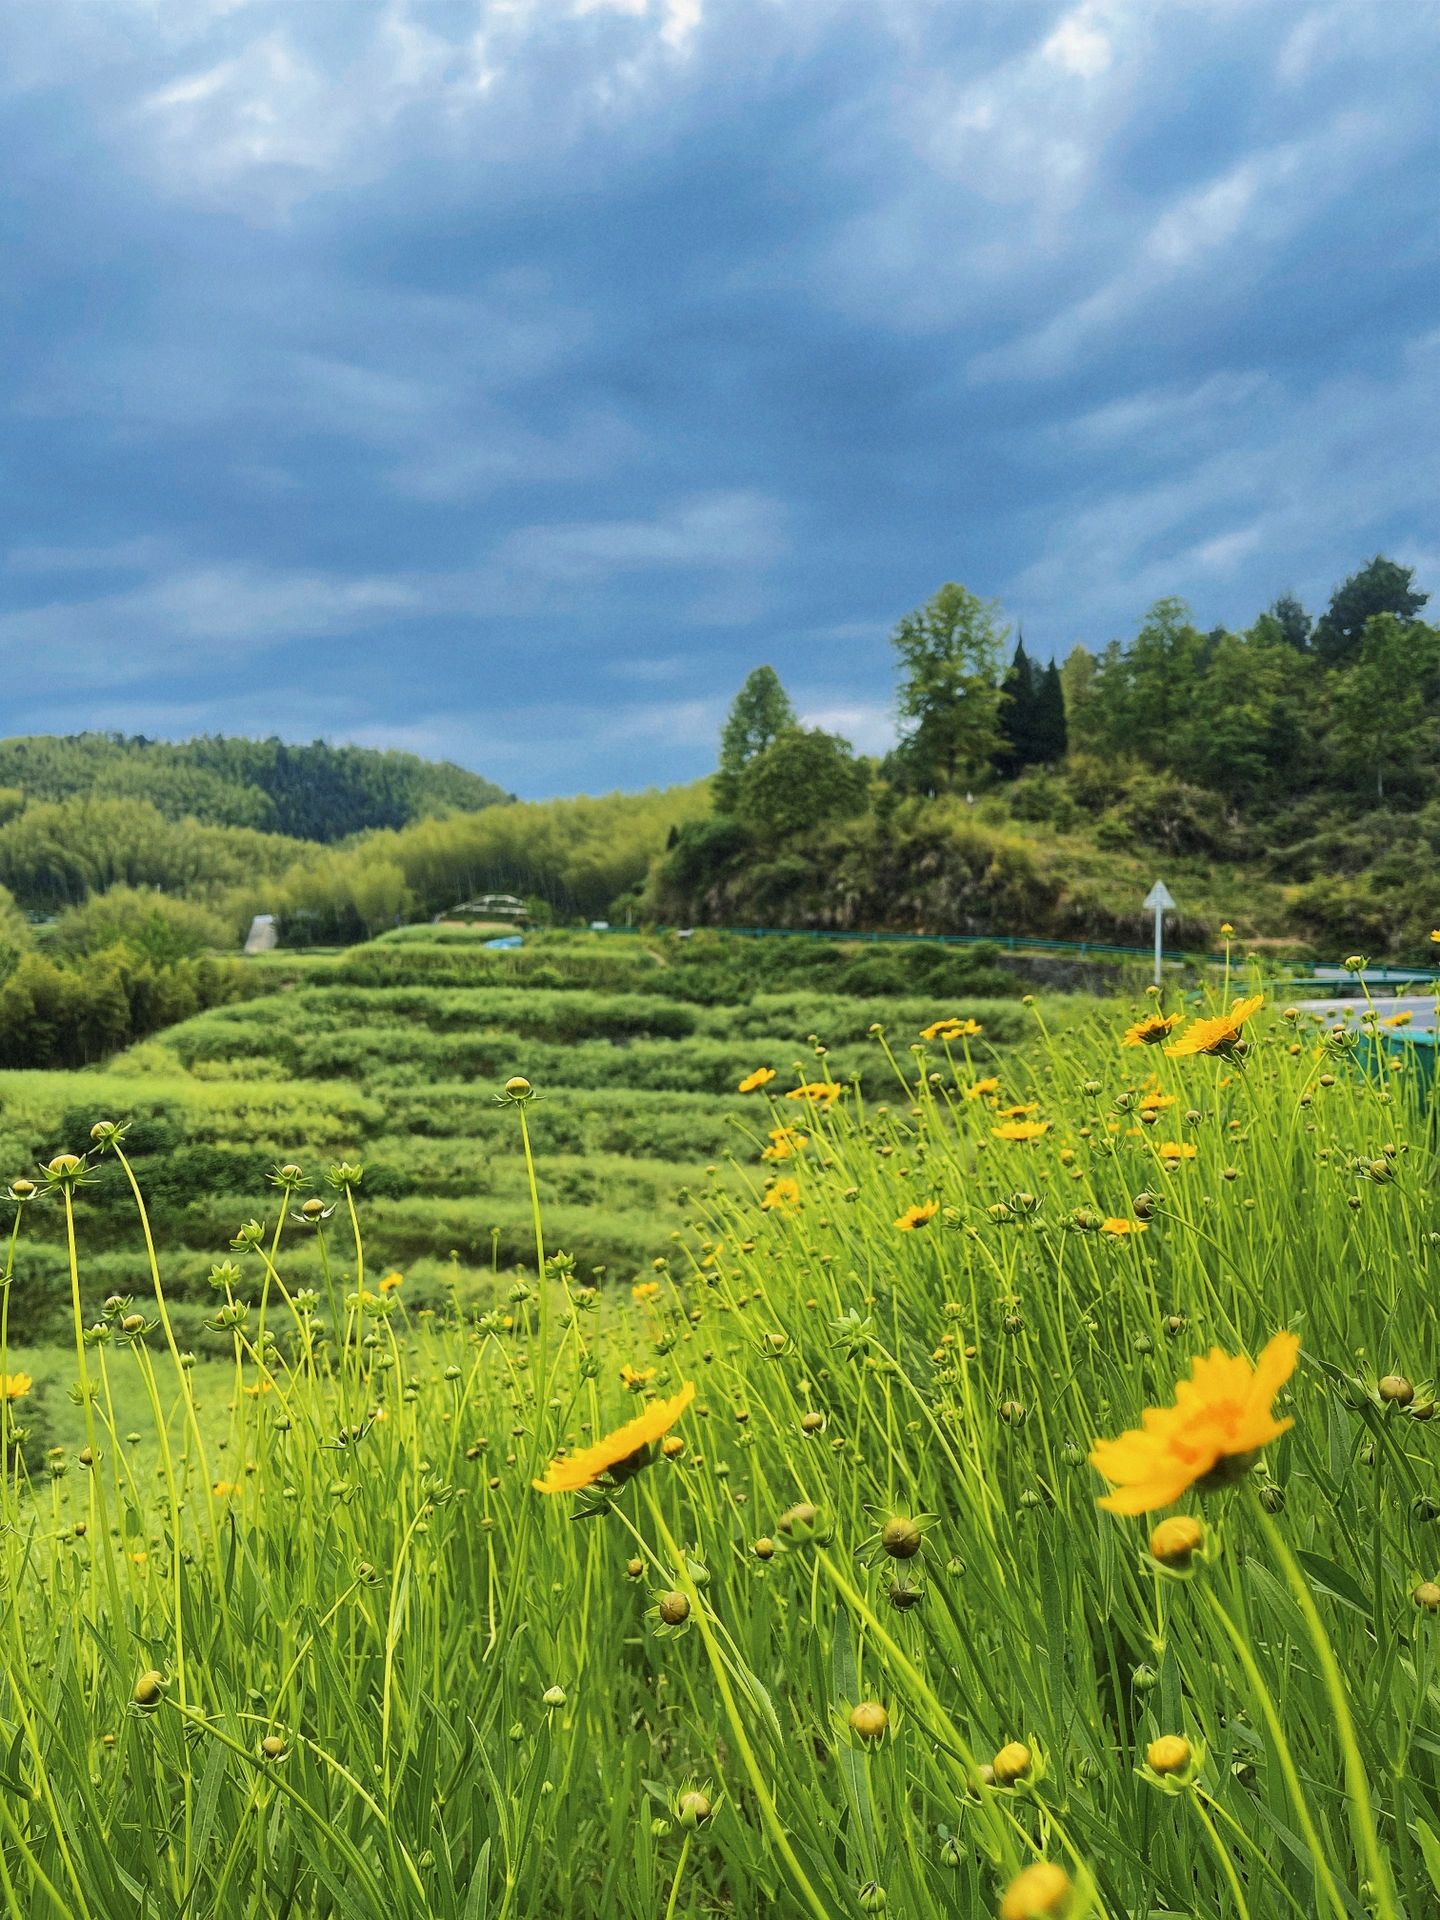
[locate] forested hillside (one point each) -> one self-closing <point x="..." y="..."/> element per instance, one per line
<point x="1287" y="776"/>
<point x="135" y="906"/>
<point x="316" y="792"/>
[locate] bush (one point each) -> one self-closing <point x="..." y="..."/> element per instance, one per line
<point x="72" y="1013"/>
<point x="154" y="925"/>
<point x="804" y="779"/>
<point x="1046" y="798"/>
<point x="1169" y="816"/>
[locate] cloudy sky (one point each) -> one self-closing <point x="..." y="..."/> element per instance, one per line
<point x="505" y="378"/>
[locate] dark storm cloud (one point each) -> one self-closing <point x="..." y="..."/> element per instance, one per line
<point x="506" y="380"/>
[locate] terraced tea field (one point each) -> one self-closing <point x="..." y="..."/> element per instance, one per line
<point x="392" y="1056"/>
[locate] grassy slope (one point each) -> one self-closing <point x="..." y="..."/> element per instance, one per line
<point x="637" y="1097"/>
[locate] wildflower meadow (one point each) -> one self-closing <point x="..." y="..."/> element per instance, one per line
<point x="1014" y="1491"/>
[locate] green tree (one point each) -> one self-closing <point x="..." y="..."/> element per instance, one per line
<point x="800" y="781"/>
<point x="1167" y="661"/>
<point x="950" y="699"/>
<point x="760" y="713"/>
<point x="1385" y="709"/>
<point x="1292" y="623"/>
<point x="154" y="924"/>
<point x="1242" y="733"/>
<point x="1077" y="682"/>
<point x="1018" y="715"/>
<point x="1033" y="716"/>
<point x="1051" y="737"/>
<point x="1382" y="587"/>
<point x="317" y="792"/>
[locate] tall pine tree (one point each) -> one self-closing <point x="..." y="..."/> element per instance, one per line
<point x="1051" y="735"/>
<point x="1017" y="715"/>
<point x="1033" y="716"/>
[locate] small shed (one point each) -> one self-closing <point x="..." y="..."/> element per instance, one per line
<point x="489" y="906"/>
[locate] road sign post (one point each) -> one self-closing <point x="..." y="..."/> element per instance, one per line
<point x="1159" y="902"/>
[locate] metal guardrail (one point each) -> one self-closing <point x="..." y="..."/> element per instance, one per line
<point x="1006" y="942"/>
<point x="1036" y="943"/>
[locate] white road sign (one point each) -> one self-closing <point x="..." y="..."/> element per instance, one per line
<point x="1159" y="902"/>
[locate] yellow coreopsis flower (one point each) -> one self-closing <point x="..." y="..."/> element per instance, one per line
<point x="1221" y="1419"/>
<point x="15" y="1386"/>
<point x="1120" y="1229"/>
<point x="761" y="1077"/>
<point x="1017" y="1113"/>
<point x="1174" y="1150"/>
<point x="1435" y="936"/>
<point x="914" y="1217"/>
<point x="1021" y="1130"/>
<point x="784" y="1142"/>
<point x="620" y="1453"/>
<point x="636" y="1377"/>
<point x="1150" y="1031"/>
<point x="981" y="1088"/>
<point x="1156" y="1102"/>
<point x="391" y="1282"/>
<point x="645" y="1290"/>
<point x="823" y="1092"/>
<point x="952" y="1028"/>
<point x="1401" y="1019"/>
<point x="1038" y="1892"/>
<point x="1220" y="1034"/>
<point x="783" y="1194"/>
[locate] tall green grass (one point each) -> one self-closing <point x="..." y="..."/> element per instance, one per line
<point x="862" y="1641"/>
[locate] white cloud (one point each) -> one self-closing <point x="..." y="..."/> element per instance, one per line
<point x="265" y="112"/>
<point x="187" y="616"/>
<point x="1307" y="484"/>
<point x="1079" y="45"/>
<point x="1234" y="221"/>
<point x="560" y="746"/>
<point x="1225" y="551"/>
<point x="265" y="104"/>
<point x="1200" y="222"/>
<point x="869" y="725"/>
<point x="740" y="529"/>
<point x="1183" y="415"/>
<point x="192" y="617"/>
<point x="680" y="22"/>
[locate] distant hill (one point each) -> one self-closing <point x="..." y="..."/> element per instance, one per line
<point x="317" y="792"/>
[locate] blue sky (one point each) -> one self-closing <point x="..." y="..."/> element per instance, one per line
<point x="504" y="378"/>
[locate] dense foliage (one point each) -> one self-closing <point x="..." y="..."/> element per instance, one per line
<point x="109" y="971"/>
<point x="74" y="1012"/>
<point x="57" y="852"/>
<point x="1294" y="766"/>
<point x="576" y="858"/>
<point x="315" y="792"/>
